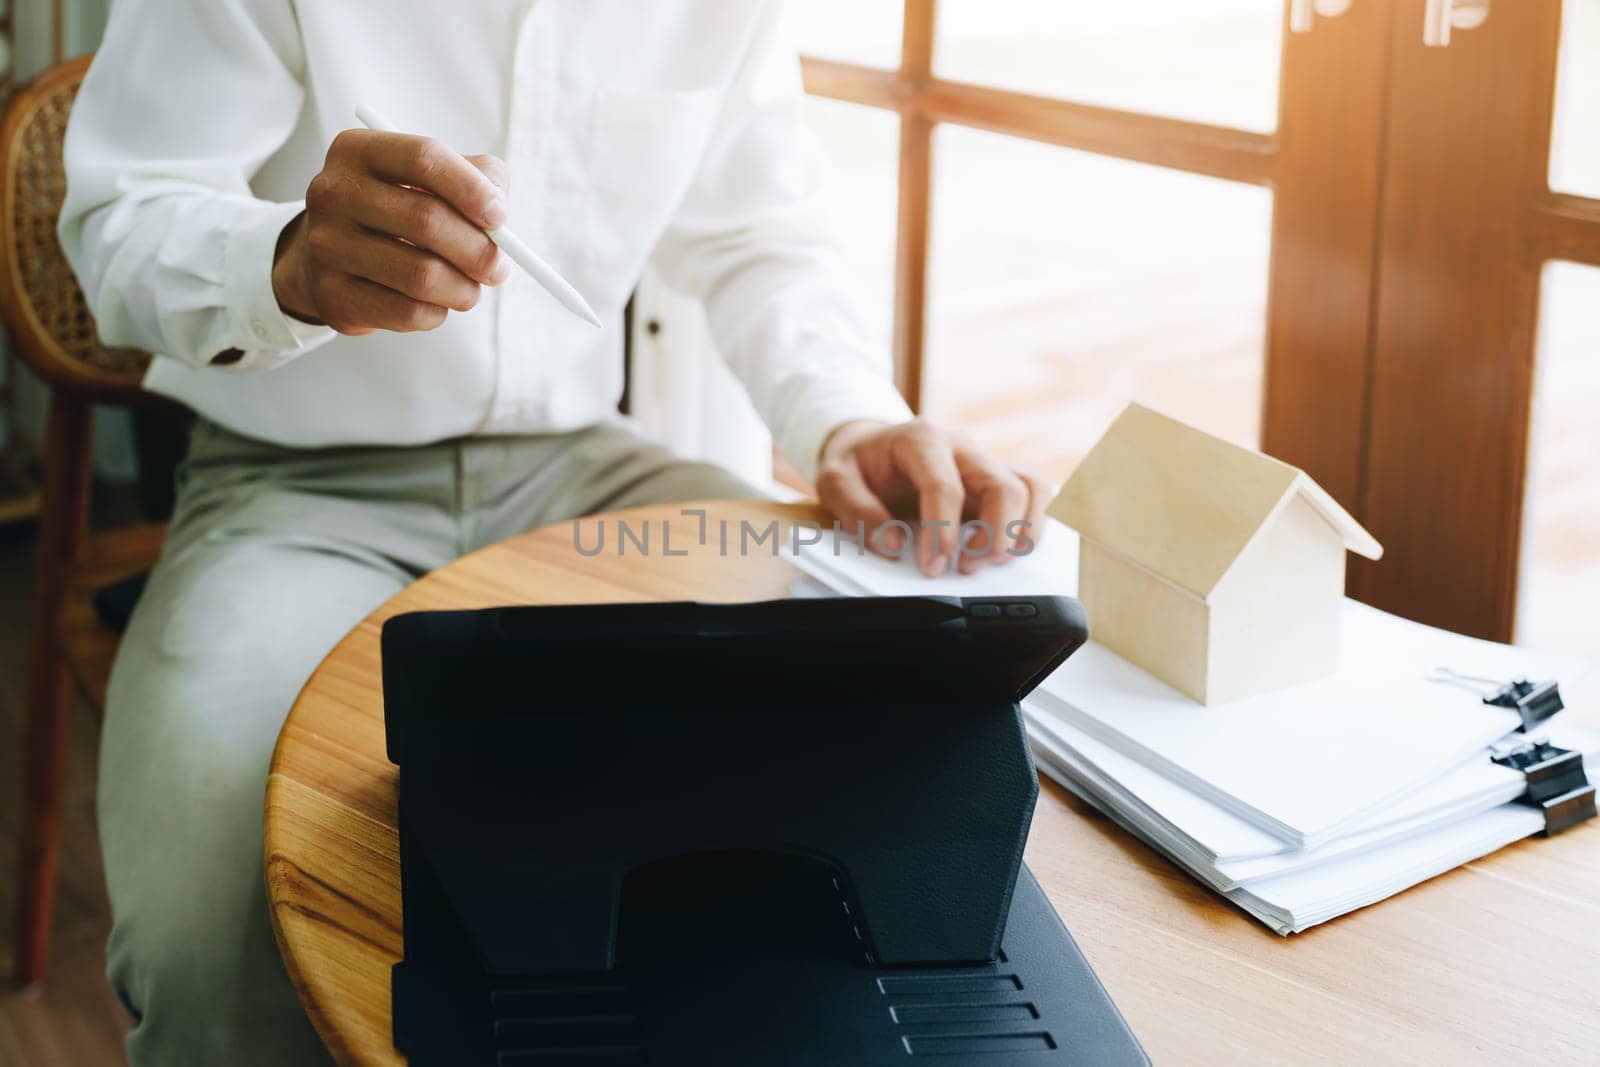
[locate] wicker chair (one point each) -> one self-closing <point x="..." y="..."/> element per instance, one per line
<point x="49" y="324"/>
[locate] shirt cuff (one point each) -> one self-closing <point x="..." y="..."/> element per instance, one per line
<point x="861" y="397"/>
<point x="262" y="332"/>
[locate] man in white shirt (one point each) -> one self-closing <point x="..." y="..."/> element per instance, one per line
<point x="379" y="390"/>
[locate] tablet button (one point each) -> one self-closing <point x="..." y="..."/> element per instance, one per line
<point x="1022" y="611"/>
<point x="985" y="611"/>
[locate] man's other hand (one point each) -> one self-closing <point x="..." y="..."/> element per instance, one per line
<point x="392" y="237"/>
<point x="934" y="479"/>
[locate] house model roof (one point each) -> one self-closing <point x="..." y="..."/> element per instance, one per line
<point x="1184" y="504"/>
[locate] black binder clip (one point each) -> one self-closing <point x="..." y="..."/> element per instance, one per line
<point x="1557" y="785"/>
<point x="1534" y="701"/>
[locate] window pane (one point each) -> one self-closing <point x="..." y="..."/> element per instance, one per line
<point x="1063" y="285"/>
<point x="1575" y="153"/>
<point x="856" y="31"/>
<point x="1560" y="585"/>
<point x="1215" y="61"/>
<point x="862" y="147"/>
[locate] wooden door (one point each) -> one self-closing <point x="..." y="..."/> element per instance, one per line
<point x="1431" y="237"/>
<point x="1468" y="223"/>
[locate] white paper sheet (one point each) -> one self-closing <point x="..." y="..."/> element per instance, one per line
<point x="1210" y="831"/>
<point x="1050" y="569"/>
<point x="1307" y="898"/>
<point x="1185" y="823"/>
<point x="1309" y="762"/>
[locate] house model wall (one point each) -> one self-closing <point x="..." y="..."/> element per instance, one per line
<point x="1217" y="569"/>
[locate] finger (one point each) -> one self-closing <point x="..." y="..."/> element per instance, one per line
<point x="929" y="464"/>
<point x="354" y="305"/>
<point x="1002" y="497"/>
<point x="843" y="491"/>
<point x="1040" y="493"/>
<point x="494" y="168"/>
<point x="433" y="225"/>
<point x="424" y="163"/>
<point x="405" y="268"/>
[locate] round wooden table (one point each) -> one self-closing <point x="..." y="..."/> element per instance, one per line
<point x="1498" y="961"/>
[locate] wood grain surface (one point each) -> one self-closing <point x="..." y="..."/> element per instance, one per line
<point x="1498" y="962"/>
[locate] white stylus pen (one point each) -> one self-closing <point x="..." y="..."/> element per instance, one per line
<point x="511" y="244"/>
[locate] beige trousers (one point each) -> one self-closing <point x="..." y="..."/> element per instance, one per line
<point x="274" y="555"/>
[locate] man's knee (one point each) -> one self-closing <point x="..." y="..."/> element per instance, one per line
<point x="219" y="645"/>
<point x="205" y="676"/>
<point x="201" y="686"/>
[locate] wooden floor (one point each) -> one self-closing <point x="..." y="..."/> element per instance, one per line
<point x="74" y="1019"/>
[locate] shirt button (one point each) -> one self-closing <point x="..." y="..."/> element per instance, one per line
<point x="261" y="330"/>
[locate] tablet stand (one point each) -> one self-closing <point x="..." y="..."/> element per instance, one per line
<point x="741" y="874"/>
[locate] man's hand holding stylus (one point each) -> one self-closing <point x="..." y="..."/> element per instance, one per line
<point x="392" y="237"/>
<point x="933" y="479"/>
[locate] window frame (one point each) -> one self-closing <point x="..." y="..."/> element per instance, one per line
<point x="1335" y="368"/>
<point x="924" y="101"/>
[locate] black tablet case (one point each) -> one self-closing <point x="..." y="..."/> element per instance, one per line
<point x="787" y="833"/>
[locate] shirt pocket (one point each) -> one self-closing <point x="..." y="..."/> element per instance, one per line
<point x="646" y="148"/>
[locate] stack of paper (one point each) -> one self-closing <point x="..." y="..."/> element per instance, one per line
<point x="1298" y="805"/>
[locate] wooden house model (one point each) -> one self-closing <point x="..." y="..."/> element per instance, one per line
<point x="1217" y="569"/>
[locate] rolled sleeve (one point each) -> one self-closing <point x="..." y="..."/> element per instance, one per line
<point x="830" y="402"/>
<point x="161" y="223"/>
<point x="265" y="335"/>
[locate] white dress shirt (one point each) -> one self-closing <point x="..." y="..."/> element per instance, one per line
<point x="668" y="131"/>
